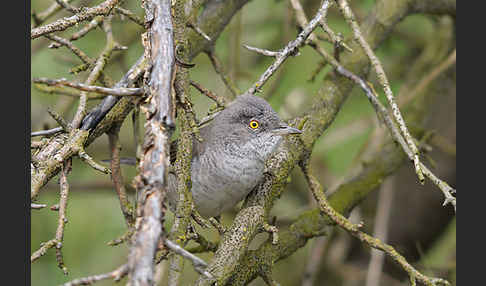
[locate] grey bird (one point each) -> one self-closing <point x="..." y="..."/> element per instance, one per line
<point x="229" y="161"/>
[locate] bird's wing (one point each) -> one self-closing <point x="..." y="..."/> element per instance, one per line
<point x="197" y="146"/>
<point x="196" y="149"/>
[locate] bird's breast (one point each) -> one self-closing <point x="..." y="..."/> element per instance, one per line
<point x="222" y="179"/>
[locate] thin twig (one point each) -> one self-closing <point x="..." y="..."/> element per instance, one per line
<point x="125" y="237"/>
<point x="47" y="132"/>
<point x="119" y="91"/>
<point x="132" y="16"/>
<point x="220" y="101"/>
<point x="199" y="264"/>
<point x="37" y="206"/>
<point x="336" y="39"/>
<point x="218" y="67"/>
<point x="204" y="245"/>
<point x="198" y="31"/>
<point x="98" y="113"/>
<point x="312" y="39"/>
<point x="100" y="64"/>
<point x="217" y="225"/>
<point x="87" y="159"/>
<point x="116" y="275"/>
<point x="117" y="177"/>
<point x="355" y="231"/>
<point x="57" y="242"/>
<point x="290" y="49"/>
<point x="68" y="44"/>
<point x="58" y="118"/>
<point x="51" y="10"/>
<point x="264" y="52"/>
<point x="81" y="33"/>
<point x="63" y="90"/>
<point x="332" y="37"/>
<point x="67" y="6"/>
<point x="43" y="249"/>
<point x="382" y="78"/>
<point x="62" y="215"/>
<point x="66" y="22"/>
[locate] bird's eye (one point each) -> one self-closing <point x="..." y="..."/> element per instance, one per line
<point x="254" y="124"/>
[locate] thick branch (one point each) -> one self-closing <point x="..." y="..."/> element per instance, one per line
<point x="184" y="203"/>
<point x="151" y="182"/>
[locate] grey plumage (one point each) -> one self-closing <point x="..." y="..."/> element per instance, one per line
<point x="229" y="162"/>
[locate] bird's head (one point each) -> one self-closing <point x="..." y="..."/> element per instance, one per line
<point x="249" y="125"/>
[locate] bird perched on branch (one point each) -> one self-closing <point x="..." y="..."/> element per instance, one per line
<point x="229" y="161"/>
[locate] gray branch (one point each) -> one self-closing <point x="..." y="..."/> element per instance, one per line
<point x="151" y="182"/>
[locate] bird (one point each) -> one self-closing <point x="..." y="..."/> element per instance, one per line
<point x="229" y="162"/>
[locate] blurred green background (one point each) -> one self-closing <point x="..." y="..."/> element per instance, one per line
<point x="94" y="215"/>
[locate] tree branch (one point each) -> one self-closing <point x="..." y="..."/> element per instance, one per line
<point x="351" y="19"/>
<point x="355" y="231"/>
<point x="66" y="22"/>
<point x="151" y="181"/>
<point x="116" y="275"/>
<point x="120" y="91"/>
<point x="290" y="49"/>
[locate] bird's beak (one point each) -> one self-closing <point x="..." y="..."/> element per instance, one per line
<point x="284" y="129"/>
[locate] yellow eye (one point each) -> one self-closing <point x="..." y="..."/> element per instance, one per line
<point x="254" y="124"/>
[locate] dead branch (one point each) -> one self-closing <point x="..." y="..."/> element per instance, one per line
<point x="291" y="49"/>
<point x="57" y="242"/>
<point x="117" y="177"/>
<point x="116" y="275"/>
<point x="64" y="23"/>
<point x="151" y="181"/>
<point x="120" y="91"/>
